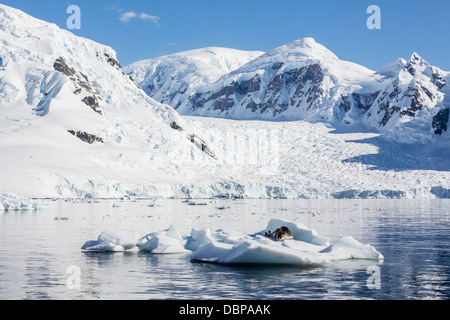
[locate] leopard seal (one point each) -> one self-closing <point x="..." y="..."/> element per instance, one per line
<point x="281" y="234"/>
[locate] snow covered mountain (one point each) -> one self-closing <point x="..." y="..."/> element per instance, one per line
<point x="174" y="78"/>
<point x="73" y="123"/>
<point x="303" y="80"/>
<point x="414" y="105"/>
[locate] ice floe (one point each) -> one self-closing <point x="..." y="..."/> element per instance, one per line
<point x="231" y="247"/>
<point x="168" y="241"/>
<point x="12" y="202"/>
<point x="113" y="241"/>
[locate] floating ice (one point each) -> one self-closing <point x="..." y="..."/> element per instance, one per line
<point x="168" y="241"/>
<point x="113" y="241"/>
<point x="307" y="248"/>
<point x="12" y="202"/>
<point x="231" y="247"/>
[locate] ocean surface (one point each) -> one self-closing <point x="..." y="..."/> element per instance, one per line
<point x="41" y="256"/>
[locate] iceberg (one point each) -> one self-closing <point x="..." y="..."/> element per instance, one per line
<point x="164" y="242"/>
<point x="12" y="202"/>
<point x="113" y="241"/>
<point x="307" y="248"/>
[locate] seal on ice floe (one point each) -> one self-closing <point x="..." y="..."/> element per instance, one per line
<point x="281" y="234"/>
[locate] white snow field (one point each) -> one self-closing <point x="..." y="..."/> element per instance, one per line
<point x="230" y="247"/>
<point x="314" y="160"/>
<point x="74" y="125"/>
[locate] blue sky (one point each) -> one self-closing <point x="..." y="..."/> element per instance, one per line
<point x="149" y="28"/>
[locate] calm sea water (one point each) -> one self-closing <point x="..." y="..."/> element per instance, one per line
<point x="40" y="251"/>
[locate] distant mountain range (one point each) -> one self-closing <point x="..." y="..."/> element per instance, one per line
<point x="407" y="101"/>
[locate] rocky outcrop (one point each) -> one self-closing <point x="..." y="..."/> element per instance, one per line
<point x="415" y="90"/>
<point x="92" y="102"/>
<point x="299" y="88"/>
<point x="201" y="144"/>
<point x="86" y="137"/>
<point x="440" y="121"/>
<point x="196" y="140"/>
<point x="82" y="82"/>
<point x="61" y="66"/>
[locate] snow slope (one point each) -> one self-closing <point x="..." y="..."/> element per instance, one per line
<point x="73" y="124"/>
<point x="299" y="159"/>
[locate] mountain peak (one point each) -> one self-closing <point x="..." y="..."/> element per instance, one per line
<point x="298" y="50"/>
<point x="392" y="68"/>
<point x="416" y="59"/>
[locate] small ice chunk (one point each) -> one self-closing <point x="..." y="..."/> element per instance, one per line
<point x="198" y="238"/>
<point x="172" y="232"/>
<point x="161" y="244"/>
<point x="167" y="241"/>
<point x="124" y="238"/>
<point x="349" y="248"/>
<point x="113" y="240"/>
<point x="100" y="246"/>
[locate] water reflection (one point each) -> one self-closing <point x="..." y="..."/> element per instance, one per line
<point x="412" y="235"/>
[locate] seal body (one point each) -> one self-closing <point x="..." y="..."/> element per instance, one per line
<point x="281" y="234"/>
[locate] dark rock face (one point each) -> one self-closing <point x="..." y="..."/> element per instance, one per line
<point x="86" y="137"/>
<point x="175" y="126"/>
<point x="80" y="80"/>
<point x="440" y="121"/>
<point x="83" y="81"/>
<point x="277" y="65"/>
<point x="61" y="66"/>
<point x="113" y="61"/>
<point x="416" y="102"/>
<point x="401" y="101"/>
<point x="438" y="80"/>
<point x="295" y="87"/>
<point x="201" y="144"/>
<point x="92" y="102"/>
<point x="364" y="101"/>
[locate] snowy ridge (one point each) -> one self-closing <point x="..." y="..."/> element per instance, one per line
<point x="406" y="101"/>
<point x="172" y="79"/>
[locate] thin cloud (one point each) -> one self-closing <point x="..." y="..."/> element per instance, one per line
<point x="128" y="16"/>
<point x="145" y="16"/>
